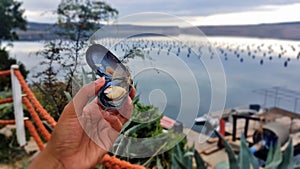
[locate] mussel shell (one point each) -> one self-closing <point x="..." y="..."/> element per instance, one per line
<point x="100" y="59"/>
<point x="107" y="65"/>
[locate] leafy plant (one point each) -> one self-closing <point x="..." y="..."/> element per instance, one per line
<point x="246" y="160"/>
<point x="10" y="150"/>
<point x="11" y="16"/>
<point x="182" y="158"/>
<point x="77" y="20"/>
<point x="5" y="64"/>
<point x="52" y="98"/>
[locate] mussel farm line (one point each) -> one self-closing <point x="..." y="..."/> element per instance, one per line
<point x="261" y="50"/>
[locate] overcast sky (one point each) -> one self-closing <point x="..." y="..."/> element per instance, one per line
<point x="196" y="12"/>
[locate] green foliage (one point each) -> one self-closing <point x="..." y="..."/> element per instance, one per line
<point x="52" y="56"/>
<point x="287" y="157"/>
<point x="185" y="157"/>
<point x="10" y="150"/>
<point x="51" y="98"/>
<point x="145" y="116"/>
<point x="5" y="64"/>
<point x="182" y="157"/>
<point x="200" y="163"/>
<point x="11" y="17"/>
<point x="133" y="53"/>
<point x="6" y="110"/>
<point x="78" y="18"/>
<point x="233" y="162"/>
<point x="275" y="159"/>
<point x="172" y="151"/>
<point x="246" y="158"/>
<point x="49" y="90"/>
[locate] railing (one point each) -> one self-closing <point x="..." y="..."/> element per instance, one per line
<point x="33" y="106"/>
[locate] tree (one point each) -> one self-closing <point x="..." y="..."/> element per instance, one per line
<point x="5" y="64"/>
<point x="77" y="20"/>
<point x="11" y="17"/>
<point x="49" y="90"/>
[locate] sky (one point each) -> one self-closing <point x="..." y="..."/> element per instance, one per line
<point x="195" y="12"/>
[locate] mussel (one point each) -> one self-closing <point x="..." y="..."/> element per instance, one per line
<point x="117" y="77"/>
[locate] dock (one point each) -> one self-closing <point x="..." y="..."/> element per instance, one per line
<point x="212" y="154"/>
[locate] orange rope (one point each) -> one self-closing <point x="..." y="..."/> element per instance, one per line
<point x="34" y="134"/>
<point x="34" y="101"/>
<point x="4" y="73"/>
<point x="36" y="119"/>
<point x="6" y="100"/>
<point x="112" y="162"/>
<point x="7" y="122"/>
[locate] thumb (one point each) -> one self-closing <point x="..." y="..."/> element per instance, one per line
<point x="85" y="93"/>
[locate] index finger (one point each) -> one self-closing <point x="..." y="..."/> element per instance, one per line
<point x="132" y="92"/>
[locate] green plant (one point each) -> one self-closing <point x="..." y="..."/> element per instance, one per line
<point x="6" y="110"/>
<point x="52" y="98"/>
<point x="173" y="151"/>
<point x="5" y="64"/>
<point x="182" y="157"/>
<point x="11" y="17"/>
<point x="10" y="150"/>
<point x="246" y="160"/>
<point x="77" y="20"/>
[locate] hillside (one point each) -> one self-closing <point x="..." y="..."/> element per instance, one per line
<point x="291" y="31"/>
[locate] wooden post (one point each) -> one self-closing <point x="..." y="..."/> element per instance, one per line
<point x="18" y="106"/>
<point x="222" y="131"/>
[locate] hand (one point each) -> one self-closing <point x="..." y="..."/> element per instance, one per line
<point x="84" y="133"/>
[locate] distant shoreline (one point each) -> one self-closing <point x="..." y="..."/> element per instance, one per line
<point x="282" y="31"/>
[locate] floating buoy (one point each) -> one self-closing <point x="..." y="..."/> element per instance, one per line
<point x="261" y="62"/>
<point x="285" y="63"/>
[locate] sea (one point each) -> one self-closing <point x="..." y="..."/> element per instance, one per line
<point x="187" y="76"/>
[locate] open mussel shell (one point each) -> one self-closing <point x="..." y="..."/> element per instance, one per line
<point x="118" y="80"/>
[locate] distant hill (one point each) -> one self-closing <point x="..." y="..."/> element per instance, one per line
<point x="291" y="31"/>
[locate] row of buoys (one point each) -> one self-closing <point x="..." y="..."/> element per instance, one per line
<point x="258" y="50"/>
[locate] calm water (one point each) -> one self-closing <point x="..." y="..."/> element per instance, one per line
<point x="171" y="68"/>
